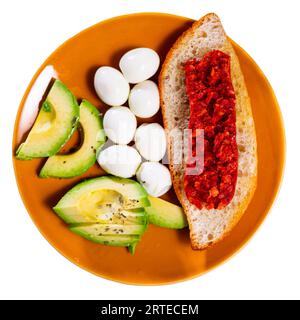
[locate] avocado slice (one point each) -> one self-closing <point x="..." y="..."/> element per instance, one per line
<point x="165" y="214"/>
<point x="92" y="199"/>
<point x="99" y="229"/>
<point x="107" y="210"/>
<point x="110" y="240"/>
<point x="54" y="125"/>
<point x="93" y="138"/>
<point x="123" y="217"/>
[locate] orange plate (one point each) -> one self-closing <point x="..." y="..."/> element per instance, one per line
<point x="163" y="256"/>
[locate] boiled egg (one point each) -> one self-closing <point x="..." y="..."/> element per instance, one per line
<point x="111" y="86"/>
<point x="120" y="160"/>
<point x="119" y="124"/>
<point x="144" y="99"/>
<point x="155" y="178"/>
<point x="150" y="141"/>
<point x="139" y="64"/>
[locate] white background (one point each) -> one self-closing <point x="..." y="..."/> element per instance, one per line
<point x="268" y="267"/>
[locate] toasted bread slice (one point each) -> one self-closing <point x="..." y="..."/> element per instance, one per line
<point x="208" y="226"/>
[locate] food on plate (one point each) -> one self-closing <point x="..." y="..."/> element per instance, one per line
<point x="120" y="160"/>
<point x="55" y="123"/>
<point x="106" y="210"/>
<point x="165" y="214"/>
<point x="111" y="86"/>
<point x="35" y="97"/>
<point x="217" y="115"/>
<point x="203" y="93"/>
<point x="155" y="178"/>
<point x="112" y="235"/>
<point x="202" y="87"/>
<point x="150" y="141"/>
<point x="98" y="199"/>
<point x="139" y="64"/>
<point x="78" y="162"/>
<point x="144" y="99"/>
<point x="119" y="125"/>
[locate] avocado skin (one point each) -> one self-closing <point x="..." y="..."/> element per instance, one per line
<point x="132" y="247"/>
<point x="25" y="152"/>
<point x="73" y="165"/>
<point x="165" y="214"/>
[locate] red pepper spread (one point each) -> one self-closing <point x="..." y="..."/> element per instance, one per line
<point x="212" y="108"/>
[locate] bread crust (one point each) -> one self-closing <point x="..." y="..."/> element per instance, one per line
<point x="203" y="234"/>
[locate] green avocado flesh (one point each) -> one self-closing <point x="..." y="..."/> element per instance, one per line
<point x="93" y="138"/>
<point x="106" y="210"/>
<point x="90" y="233"/>
<point x="165" y="214"/>
<point x="54" y="125"/>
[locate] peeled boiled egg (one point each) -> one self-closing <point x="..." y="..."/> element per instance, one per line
<point x="150" y="141"/>
<point x="155" y="178"/>
<point x="111" y="86"/>
<point x="139" y="64"/>
<point x="119" y="124"/>
<point x="120" y="160"/>
<point x="144" y="99"/>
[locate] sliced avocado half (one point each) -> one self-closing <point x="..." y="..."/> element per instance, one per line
<point x="54" y="125"/>
<point x="106" y="210"/>
<point x="166" y="214"/>
<point x="97" y="199"/>
<point x="93" y="138"/>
